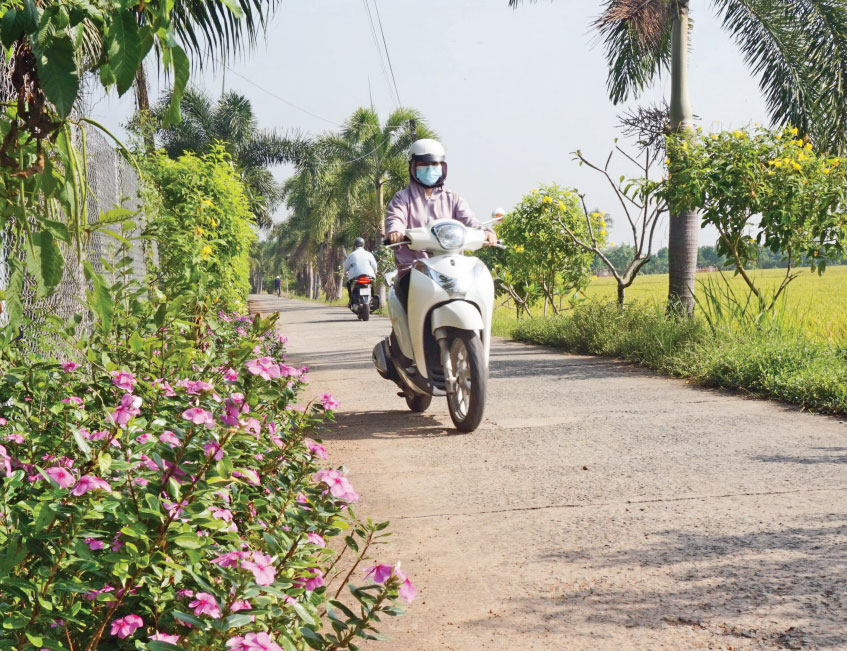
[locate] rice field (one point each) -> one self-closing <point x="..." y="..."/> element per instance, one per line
<point x="816" y="305"/>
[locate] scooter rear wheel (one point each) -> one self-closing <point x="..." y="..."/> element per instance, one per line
<point x="467" y="403"/>
<point x="418" y="403"/>
<point x="364" y="311"/>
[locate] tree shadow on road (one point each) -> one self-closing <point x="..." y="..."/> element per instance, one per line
<point x="838" y="455"/>
<point x="781" y="588"/>
<point x="393" y="424"/>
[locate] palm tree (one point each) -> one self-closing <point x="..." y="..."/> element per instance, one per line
<point x="796" y="48"/>
<point x="374" y="161"/>
<point x="231" y="121"/>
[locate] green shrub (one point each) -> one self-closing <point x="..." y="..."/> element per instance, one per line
<point x="203" y="226"/>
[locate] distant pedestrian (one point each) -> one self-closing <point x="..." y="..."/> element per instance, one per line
<point x="278" y="286"/>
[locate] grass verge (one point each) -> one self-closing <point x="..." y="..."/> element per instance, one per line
<point x="777" y="364"/>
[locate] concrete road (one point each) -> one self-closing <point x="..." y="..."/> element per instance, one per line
<point x="599" y="506"/>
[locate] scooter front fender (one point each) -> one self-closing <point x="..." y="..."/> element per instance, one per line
<point x="457" y="314"/>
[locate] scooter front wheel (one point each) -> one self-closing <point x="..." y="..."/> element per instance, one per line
<point x="467" y="401"/>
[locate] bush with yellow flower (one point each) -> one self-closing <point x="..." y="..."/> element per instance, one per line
<point x="203" y="224"/>
<point x="763" y="188"/>
<point x="541" y="261"/>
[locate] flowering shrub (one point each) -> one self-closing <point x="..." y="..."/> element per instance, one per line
<point x="542" y="261"/>
<point x="203" y="223"/>
<point x="159" y="491"/>
<point x="763" y="188"/>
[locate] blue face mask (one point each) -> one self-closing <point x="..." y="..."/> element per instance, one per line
<point x="429" y="174"/>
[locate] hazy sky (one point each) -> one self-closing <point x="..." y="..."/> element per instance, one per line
<point x="511" y="93"/>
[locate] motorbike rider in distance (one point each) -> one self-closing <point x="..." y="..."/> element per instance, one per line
<point x="359" y="263"/>
<point x="425" y="199"/>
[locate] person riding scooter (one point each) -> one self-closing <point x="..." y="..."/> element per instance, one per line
<point x="425" y="199"/>
<point x="359" y="263"/>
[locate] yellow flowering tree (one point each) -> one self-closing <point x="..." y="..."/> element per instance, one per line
<point x="764" y="188"/>
<point x="204" y="226"/>
<point x="541" y="262"/>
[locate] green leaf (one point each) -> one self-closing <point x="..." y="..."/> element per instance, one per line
<point x="234" y="621"/>
<point x="45" y="262"/>
<point x="136" y="342"/>
<point x="187" y="541"/>
<point x="58" y="74"/>
<point x="234" y="7"/>
<point x="163" y="646"/>
<point x="302" y="613"/>
<point x="99" y="298"/>
<point x="191" y="619"/>
<point x="11" y="27"/>
<point x="181" y="68"/>
<point x="81" y="443"/>
<point x="314" y="640"/>
<point x="124" y="49"/>
<point x="14" y="305"/>
<point x="14" y="552"/>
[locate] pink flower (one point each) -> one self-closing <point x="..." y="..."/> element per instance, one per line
<point x="313" y="582"/>
<point x="124" y="380"/>
<point x="6" y="460"/>
<point x="69" y="367"/>
<point x="3" y="421"/>
<point x="221" y="514"/>
<point x="127" y="410"/>
<point x="316" y="449"/>
<point x="289" y="371"/>
<point x="94" y="544"/>
<point x="339" y="485"/>
<point x="264" y="367"/>
<point x="328" y="402"/>
<point x="251" y="426"/>
<point x="164" y="637"/>
<point x="205" y="604"/>
<point x="316" y="539"/>
<point x="230" y="559"/>
<point x="125" y="626"/>
<point x="76" y="400"/>
<point x="213" y="449"/>
<point x="199" y="416"/>
<point x="165" y="387"/>
<point x="170" y="438"/>
<point x="260" y="566"/>
<point x="60" y="476"/>
<point x="15" y="438"/>
<point x="252" y="642"/>
<point x="407" y="591"/>
<point x="185" y="593"/>
<point x="380" y="572"/>
<point x="89" y="483"/>
<point x="140" y="481"/>
<point x="230" y="375"/>
<point x="250" y="476"/>
<point x="242" y="604"/>
<point x="195" y="387"/>
<point x="143" y="438"/>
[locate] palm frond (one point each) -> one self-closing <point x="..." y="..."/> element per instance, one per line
<point x="636" y="36"/>
<point x="798" y="50"/>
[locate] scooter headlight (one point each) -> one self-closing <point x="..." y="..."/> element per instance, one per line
<point x="450" y="236"/>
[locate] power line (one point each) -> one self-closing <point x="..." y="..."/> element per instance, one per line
<point x="281" y="99"/>
<point x="379" y="51"/>
<point x="387" y="55"/>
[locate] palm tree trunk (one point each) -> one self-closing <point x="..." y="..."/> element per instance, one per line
<point x="142" y="103"/>
<point x="380" y="198"/>
<point x="683" y="237"/>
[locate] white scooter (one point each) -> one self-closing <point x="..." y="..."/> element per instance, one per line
<point x="440" y="347"/>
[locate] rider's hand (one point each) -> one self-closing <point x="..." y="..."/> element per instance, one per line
<point x="490" y="238"/>
<point x="395" y="236"/>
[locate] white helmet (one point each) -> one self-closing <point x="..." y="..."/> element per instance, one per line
<point x="427" y="150"/>
<point x="497" y="214"/>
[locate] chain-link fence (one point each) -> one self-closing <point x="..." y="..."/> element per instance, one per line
<point x="113" y="183"/>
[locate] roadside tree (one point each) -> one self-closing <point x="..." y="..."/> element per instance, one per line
<point x="764" y="188"/>
<point x="541" y="261"/>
